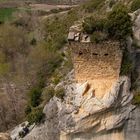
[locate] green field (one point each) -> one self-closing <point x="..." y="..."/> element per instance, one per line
<point x="6" y="13"/>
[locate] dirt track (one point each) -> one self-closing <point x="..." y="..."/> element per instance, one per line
<point x="46" y="7"/>
<point x="11" y="4"/>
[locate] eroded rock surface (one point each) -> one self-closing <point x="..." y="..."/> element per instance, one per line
<point x="5" y="136"/>
<point x="83" y="116"/>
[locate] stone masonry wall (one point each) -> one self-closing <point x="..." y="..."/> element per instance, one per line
<point x="99" y="64"/>
<point x="96" y="61"/>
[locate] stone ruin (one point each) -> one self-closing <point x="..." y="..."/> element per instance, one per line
<point x="98" y="64"/>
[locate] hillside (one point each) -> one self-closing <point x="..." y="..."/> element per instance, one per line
<point x="70" y="73"/>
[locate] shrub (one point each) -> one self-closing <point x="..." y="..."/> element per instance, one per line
<point x="35" y="97"/>
<point x="126" y="66"/>
<point x="119" y="24"/>
<point x="92" y="24"/>
<point x="98" y="37"/>
<point x="136" y="99"/>
<point x="135" y="45"/>
<point x="56" y="29"/>
<point x="41" y="80"/>
<point x="21" y="134"/>
<point x="33" y="41"/>
<point x="56" y="79"/>
<point x="28" y="109"/>
<point x="6" y="14"/>
<point x="111" y="3"/>
<point x="100" y="24"/>
<point x="93" y="5"/>
<point x="54" y="63"/>
<point x="60" y="93"/>
<point x="48" y="94"/>
<point x="89" y="25"/>
<point x="135" y="5"/>
<point x="35" y="116"/>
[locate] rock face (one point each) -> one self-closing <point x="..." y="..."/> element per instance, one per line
<point x="136" y="29"/>
<point x="84" y="117"/>
<point x="5" y="136"/>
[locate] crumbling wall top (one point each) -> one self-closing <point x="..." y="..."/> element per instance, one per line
<point x="76" y="34"/>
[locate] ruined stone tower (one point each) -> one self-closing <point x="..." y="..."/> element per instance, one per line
<point x="97" y="64"/>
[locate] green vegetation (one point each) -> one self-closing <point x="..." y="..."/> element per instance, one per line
<point x="35" y="116"/>
<point x="35" y="97"/>
<point x="96" y="28"/>
<point x="119" y="24"/>
<point x="56" y="29"/>
<point x="56" y="78"/>
<point x="4" y="67"/>
<point x="48" y="94"/>
<point x="98" y="37"/>
<point x="135" y="5"/>
<point x="135" y="45"/>
<point x="28" y="110"/>
<point x="111" y="3"/>
<point x="126" y="66"/>
<point x="60" y="93"/>
<point x="92" y="24"/>
<point x="89" y="25"/>
<point x="51" y="92"/>
<point x="6" y="13"/>
<point x="46" y="64"/>
<point x="93" y="5"/>
<point x="136" y="99"/>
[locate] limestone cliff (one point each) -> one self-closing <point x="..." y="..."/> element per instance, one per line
<point x="87" y="117"/>
<point x="4" y="136"/>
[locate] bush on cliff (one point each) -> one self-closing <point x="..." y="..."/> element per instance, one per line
<point x="119" y="24"/>
<point x="35" y="97"/>
<point x="92" y="24"/>
<point x="111" y="3"/>
<point x="35" y="116"/>
<point x="98" y="37"/>
<point x="48" y="94"/>
<point x="135" y="5"/>
<point x="60" y="93"/>
<point x="136" y="99"/>
<point x="126" y="66"/>
<point x="28" y="109"/>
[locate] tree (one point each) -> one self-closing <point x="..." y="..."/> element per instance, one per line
<point x="135" y="5"/>
<point x="89" y="25"/>
<point x="35" y="97"/>
<point x="119" y="24"/>
<point x="92" y="24"/>
<point x="35" y="116"/>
